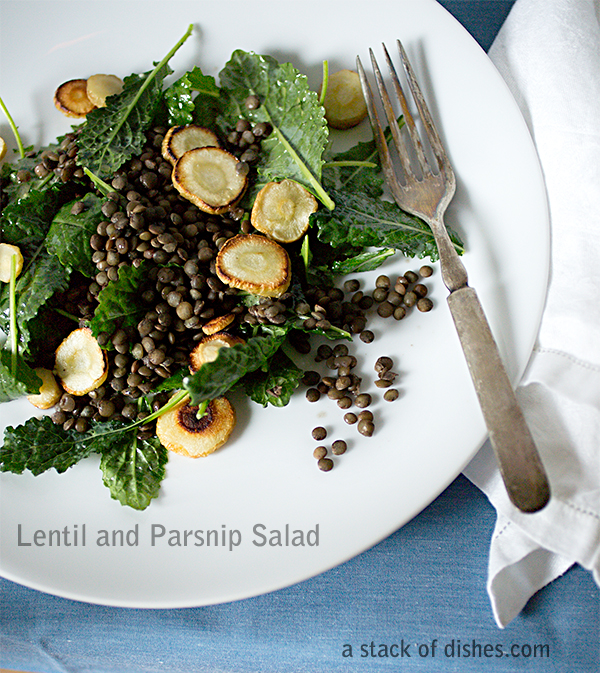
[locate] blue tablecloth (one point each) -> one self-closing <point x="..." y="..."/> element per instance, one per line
<point x="415" y="602"/>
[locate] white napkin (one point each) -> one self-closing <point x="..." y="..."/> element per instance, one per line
<point x="548" y="51"/>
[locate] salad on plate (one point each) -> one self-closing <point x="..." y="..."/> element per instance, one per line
<point x="187" y="238"/>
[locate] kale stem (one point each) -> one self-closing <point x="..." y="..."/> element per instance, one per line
<point x="103" y="187"/>
<point x="13" y="315"/>
<point x="202" y="407"/>
<point x="343" y="164"/>
<point x="14" y="129"/>
<point x="325" y="82"/>
<point x="127" y="112"/>
<point x="68" y="315"/>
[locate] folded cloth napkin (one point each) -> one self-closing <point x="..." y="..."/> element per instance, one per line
<point x="548" y="51"/>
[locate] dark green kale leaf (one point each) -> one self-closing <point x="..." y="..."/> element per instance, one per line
<point x="13" y="188"/>
<point x="295" y="147"/>
<point x="185" y="108"/>
<point x="25" y="221"/>
<point x="44" y="276"/>
<point x="39" y="444"/>
<point x="357" y="169"/>
<point x="113" y="134"/>
<point x="369" y="260"/>
<point x="277" y="384"/>
<point x="359" y="220"/>
<point x="18" y="381"/>
<point x="133" y="469"/>
<point x="215" y="378"/>
<point x="118" y="302"/>
<point x="69" y="234"/>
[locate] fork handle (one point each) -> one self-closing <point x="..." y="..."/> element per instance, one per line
<point x="517" y="456"/>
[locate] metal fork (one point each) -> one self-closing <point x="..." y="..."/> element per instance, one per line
<point x="427" y="196"/>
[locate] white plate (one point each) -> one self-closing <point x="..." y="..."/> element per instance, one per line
<point x="266" y="474"/>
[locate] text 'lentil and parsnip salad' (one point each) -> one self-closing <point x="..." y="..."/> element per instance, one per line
<point x="182" y="241"/>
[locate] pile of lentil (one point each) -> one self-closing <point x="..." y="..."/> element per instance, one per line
<point x="148" y="222"/>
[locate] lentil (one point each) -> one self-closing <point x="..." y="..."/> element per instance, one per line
<point x="424" y="304"/>
<point x="339" y="447"/>
<point x="313" y="395"/>
<point x="366" y="428"/>
<point x="325" y="464"/>
<point x="319" y="433"/>
<point x="320" y="452"/>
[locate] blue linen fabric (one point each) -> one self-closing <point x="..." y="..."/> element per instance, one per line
<point x="415" y="602"/>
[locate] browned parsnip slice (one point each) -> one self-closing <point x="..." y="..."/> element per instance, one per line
<point x="181" y="139"/>
<point x="344" y="102"/>
<point x="181" y="431"/>
<point x="7" y="252"/>
<point x="207" y="349"/>
<point x="50" y="391"/>
<point x="80" y="363"/>
<point x="255" y="264"/>
<point x="72" y="100"/>
<point x="282" y="210"/>
<point x="208" y="177"/>
<point x="100" y="87"/>
<point x="219" y="323"/>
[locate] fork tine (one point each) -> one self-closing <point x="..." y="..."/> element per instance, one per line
<point x="408" y="118"/>
<point x="432" y="134"/>
<point x="391" y="119"/>
<point x="378" y="134"/>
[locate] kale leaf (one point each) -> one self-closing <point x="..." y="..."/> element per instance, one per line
<point x="357" y="169"/>
<point x="295" y="147"/>
<point x="185" y="108"/>
<point x="113" y="134"/>
<point x="23" y="381"/>
<point x="119" y="302"/>
<point x="69" y="235"/>
<point x="39" y="444"/>
<point x="215" y="378"/>
<point x="133" y="469"/>
<point x="362" y="221"/>
<point x="25" y="221"/>
<point x="277" y="384"/>
<point x="44" y="276"/>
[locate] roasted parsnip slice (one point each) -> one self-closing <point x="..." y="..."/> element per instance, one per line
<point x="181" y="139"/>
<point x="207" y="349"/>
<point x="181" y="431"/>
<point x="282" y="210"/>
<point x="100" y="87"/>
<point x="254" y="263"/>
<point x="3" y="148"/>
<point x="208" y="177"/>
<point x="219" y="323"/>
<point x="80" y="363"/>
<point x="72" y="100"/>
<point x="50" y="391"/>
<point x="7" y="252"/>
<point x="344" y="102"/>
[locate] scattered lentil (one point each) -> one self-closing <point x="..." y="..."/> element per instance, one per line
<point x="320" y="452"/>
<point x="339" y="447"/>
<point x="325" y="464"/>
<point x="391" y="395"/>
